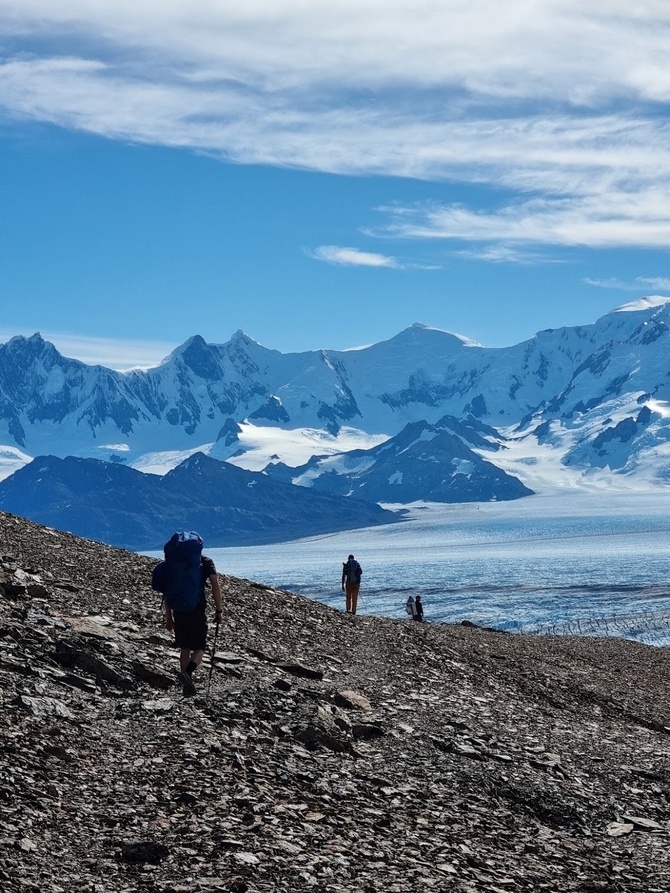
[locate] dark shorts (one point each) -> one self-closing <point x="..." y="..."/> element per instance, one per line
<point x="190" y="629"/>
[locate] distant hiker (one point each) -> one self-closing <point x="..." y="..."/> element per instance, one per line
<point x="351" y="579"/>
<point x="418" y="609"/>
<point x="410" y="606"/>
<point x="182" y="578"/>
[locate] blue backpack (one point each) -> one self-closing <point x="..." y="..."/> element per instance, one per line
<point x="179" y="576"/>
<point x="352" y="571"/>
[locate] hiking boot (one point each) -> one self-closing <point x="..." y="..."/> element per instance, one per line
<point x="187" y="682"/>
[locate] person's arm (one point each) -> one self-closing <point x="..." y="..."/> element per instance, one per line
<point x="169" y="620"/>
<point x="216" y="595"/>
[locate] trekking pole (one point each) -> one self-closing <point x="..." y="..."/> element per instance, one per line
<point x="211" y="662"/>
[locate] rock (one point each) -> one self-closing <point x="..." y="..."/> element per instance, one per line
<point x="68" y="656"/>
<point x="93" y="627"/>
<point x="36" y="590"/>
<point x="302" y="671"/>
<point x="642" y="824"/>
<point x="27" y="845"/>
<point x="228" y="657"/>
<point x="79" y="682"/>
<point x="246" y="858"/>
<point x="351" y="700"/>
<point x="160" y="705"/>
<point x="619" y="829"/>
<point x="154" y="678"/>
<point x="43" y="706"/>
<point x="313" y="736"/>
<point x="467" y="750"/>
<point x="367" y="730"/>
<point x="144" y="851"/>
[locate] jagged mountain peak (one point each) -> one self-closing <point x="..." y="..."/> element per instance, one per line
<point x="241" y="335"/>
<point x="200" y="395"/>
<point x="31" y="346"/>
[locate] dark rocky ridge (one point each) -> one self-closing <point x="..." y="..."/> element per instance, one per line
<point x="484" y="762"/>
<point x="132" y="510"/>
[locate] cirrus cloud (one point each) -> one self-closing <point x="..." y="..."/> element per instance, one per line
<point x="639" y="284"/>
<point x="563" y="106"/>
<point x="352" y="257"/>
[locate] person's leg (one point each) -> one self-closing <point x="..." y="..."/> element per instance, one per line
<point x="190" y="660"/>
<point x="348" y="591"/>
<point x="192" y="643"/>
<point x="354" y="597"/>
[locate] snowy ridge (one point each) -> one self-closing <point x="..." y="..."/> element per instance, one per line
<point x="576" y="406"/>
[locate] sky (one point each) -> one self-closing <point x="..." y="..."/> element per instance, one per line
<point x="323" y="175"/>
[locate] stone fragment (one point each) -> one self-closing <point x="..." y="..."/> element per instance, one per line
<point x="261" y="655"/>
<point x="228" y="657"/>
<point x="246" y="858"/>
<point x="300" y="670"/>
<point x="154" y="678"/>
<point x="642" y="824"/>
<point x="39" y="618"/>
<point x="144" y="851"/>
<point x="43" y="706"/>
<point x="68" y="656"/>
<point x="619" y="829"/>
<point x="313" y="736"/>
<point x="351" y="700"/>
<point x="37" y="590"/>
<point x="79" y="682"/>
<point x="467" y="750"/>
<point x="27" y="845"/>
<point x="96" y="627"/>
<point x="159" y="705"/>
<point x="367" y="730"/>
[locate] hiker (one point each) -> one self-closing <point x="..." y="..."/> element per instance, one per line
<point x="351" y="579"/>
<point x="182" y="580"/>
<point x="418" y="609"/>
<point x="410" y="607"/>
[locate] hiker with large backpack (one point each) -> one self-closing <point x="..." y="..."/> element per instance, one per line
<point x="182" y="577"/>
<point x="351" y="583"/>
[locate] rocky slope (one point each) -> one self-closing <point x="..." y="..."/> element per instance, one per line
<point x="332" y="753"/>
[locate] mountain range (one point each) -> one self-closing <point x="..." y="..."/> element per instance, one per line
<point x="228" y="506"/>
<point x="425" y="415"/>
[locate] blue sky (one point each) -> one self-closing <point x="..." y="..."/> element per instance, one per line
<point x="324" y="175"/>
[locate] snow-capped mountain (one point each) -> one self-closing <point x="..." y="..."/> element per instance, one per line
<point x="423" y="462"/>
<point x="587" y="401"/>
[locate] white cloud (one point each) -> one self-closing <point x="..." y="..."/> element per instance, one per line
<point x="120" y="354"/>
<point x="639" y="284"/>
<point x="352" y="257"/>
<point x="597" y="218"/>
<point x="554" y="100"/>
<point x="505" y="254"/>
